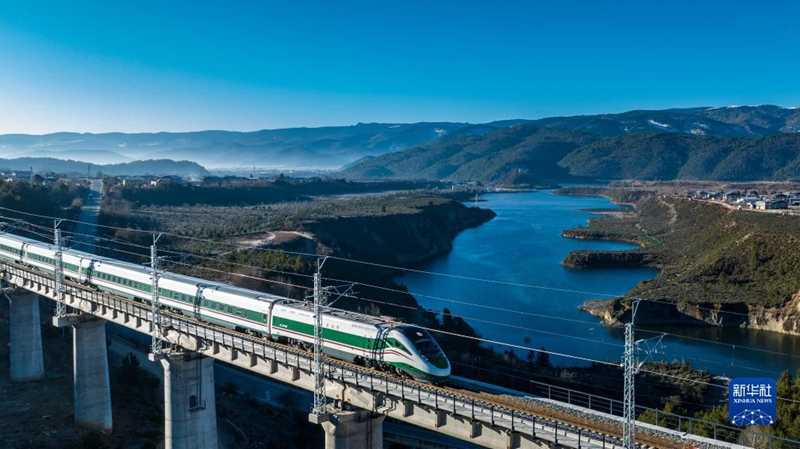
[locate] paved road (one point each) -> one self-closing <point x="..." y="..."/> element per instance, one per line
<point x="84" y="238"/>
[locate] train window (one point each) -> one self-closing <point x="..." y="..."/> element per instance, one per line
<point x="422" y="340"/>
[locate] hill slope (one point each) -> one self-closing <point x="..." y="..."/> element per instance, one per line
<point x="336" y="146"/>
<point x="327" y="147"/>
<point x="529" y="154"/>
<point x="666" y="156"/>
<point x="150" y="167"/>
<point x="730" y="121"/>
<point x="516" y="155"/>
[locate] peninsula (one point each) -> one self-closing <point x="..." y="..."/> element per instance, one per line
<point x="714" y="258"/>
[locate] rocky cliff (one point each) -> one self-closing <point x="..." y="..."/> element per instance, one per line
<point x="718" y="266"/>
<point x="399" y="239"/>
<point x="785" y="319"/>
<point x="610" y="259"/>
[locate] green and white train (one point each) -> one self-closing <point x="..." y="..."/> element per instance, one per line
<point x="400" y="348"/>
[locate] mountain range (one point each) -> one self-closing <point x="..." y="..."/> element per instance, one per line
<point x="513" y="151"/>
<point x="162" y="167"/>
<point x="319" y="148"/>
<point x="732" y="144"/>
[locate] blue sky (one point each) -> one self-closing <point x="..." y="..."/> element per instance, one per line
<point x="101" y="66"/>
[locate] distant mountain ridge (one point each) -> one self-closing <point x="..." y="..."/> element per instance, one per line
<point x="729" y="121"/>
<point x="761" y="143"/>
<point x="162" y="167"/>
<point x="338" y="146"/>
<point x="326" y="147"/>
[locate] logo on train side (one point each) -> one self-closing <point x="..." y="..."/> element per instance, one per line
<point x="752" y="401"/>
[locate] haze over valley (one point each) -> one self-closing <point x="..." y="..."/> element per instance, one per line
<point x="735" y="143"/>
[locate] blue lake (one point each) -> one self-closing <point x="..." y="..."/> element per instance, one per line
<point x="505" y="278"/>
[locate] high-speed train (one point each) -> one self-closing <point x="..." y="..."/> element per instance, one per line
<point x="400" y="348"/>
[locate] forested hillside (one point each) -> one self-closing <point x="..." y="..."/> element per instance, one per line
<point x="35" y="202"/>
<point x="664" y="156"/>
<point x="531" y="155"/>
<point x="522" y="154"/>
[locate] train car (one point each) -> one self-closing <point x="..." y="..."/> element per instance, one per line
<point x="214" y="302"/>
<point x="77" y="265"/>
<point x="355" y="337"/>
<point x="128" y="280"/>
<point x="11" y="246"/>
<point x="39" y="255"/>
<point x="247" y="310"/>
<point x="428" y="361"/>
<point x="404" y="349"/>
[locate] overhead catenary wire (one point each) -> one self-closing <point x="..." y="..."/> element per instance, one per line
<point x="485" y="340"/>
<point x="373" y="286"/>
<point x="170" y="252"/>
<point x="471" y="278"/>
<point x="386" y="266"/>
<point x="712" y="342"/>
<point x="418" y="271"/>
<point x="501" y="309"/>
<point x="146" y="232"/>
<point x="242" y="275"/>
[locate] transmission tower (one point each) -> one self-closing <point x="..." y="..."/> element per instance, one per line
<point x="629" y="359"/>
<point x="320" y="400"/>
<point x="155" y="345"/>
<point x="61" y="306"/>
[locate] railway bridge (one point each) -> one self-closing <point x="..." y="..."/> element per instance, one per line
<point x="362" y="398"/>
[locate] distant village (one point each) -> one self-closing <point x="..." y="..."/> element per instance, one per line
<point x="743" y="199"/>
<point x="125" y="181"/>
<point x="752" y="200"/>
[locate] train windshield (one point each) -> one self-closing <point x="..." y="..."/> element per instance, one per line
<point x="423" y="341"/>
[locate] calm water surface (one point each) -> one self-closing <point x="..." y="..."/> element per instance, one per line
<point x="533" y="301"/>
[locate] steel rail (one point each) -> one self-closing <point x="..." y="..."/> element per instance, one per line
<point x="500" y="411"/>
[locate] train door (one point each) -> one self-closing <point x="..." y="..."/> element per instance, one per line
<point x="198" y="300"/>
<point x="89" y="272"/>
<point x="380" y="344"/>
<point x="23" y="253"/>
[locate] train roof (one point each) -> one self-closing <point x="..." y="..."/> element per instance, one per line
<point x="120" y="264"/>
<point x="50" y="246"/>
<point x="21" y="239"/>
<point x="260" y="294"/>
<point x="346" y="314"/>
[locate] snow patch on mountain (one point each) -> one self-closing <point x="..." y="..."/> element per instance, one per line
<point x="658" y="124"/>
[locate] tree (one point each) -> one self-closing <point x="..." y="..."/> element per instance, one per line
<point x="543" y="359"/>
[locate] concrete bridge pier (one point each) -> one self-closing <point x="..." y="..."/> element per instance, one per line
<point x="358" y="429"/>
<point x="190" y="414"/>
<point x="92" y="406"/>
<point x="27" y="362"/>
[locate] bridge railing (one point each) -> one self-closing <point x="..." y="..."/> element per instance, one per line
<point x="432" y="397"/>
<point x="720" y="432"/>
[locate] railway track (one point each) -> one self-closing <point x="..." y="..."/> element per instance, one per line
<point x="527" y="408"/>
<point x="501" y="402"/>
